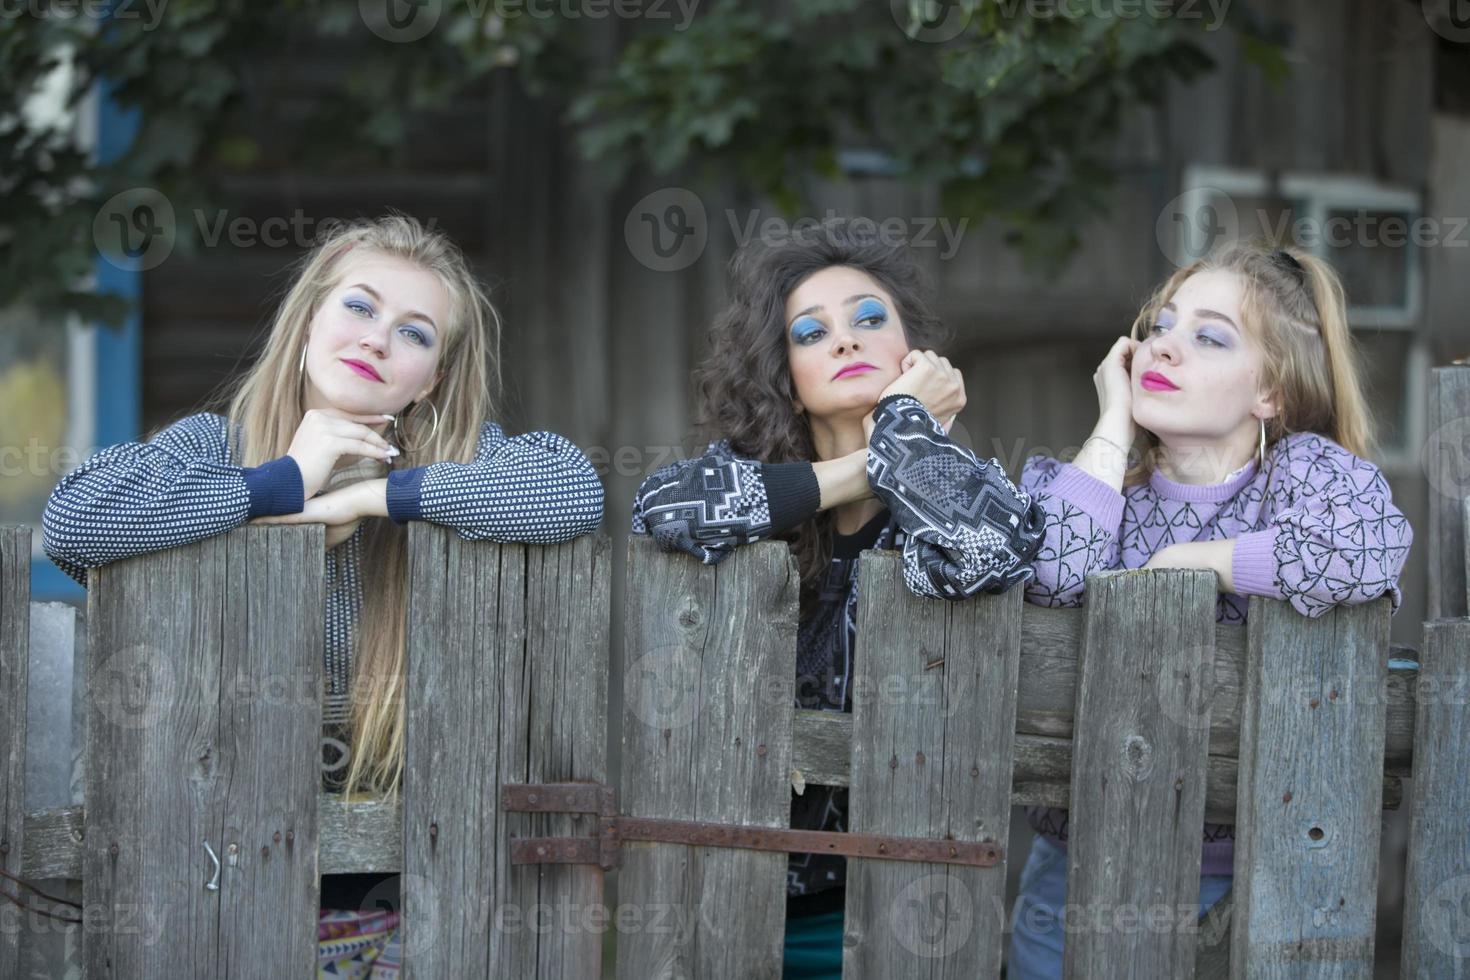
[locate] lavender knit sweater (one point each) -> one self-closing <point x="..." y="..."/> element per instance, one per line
<point x="1317" y="528"/>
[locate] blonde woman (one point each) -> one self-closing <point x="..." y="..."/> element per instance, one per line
<point x="1242" y="377"/>
<point x="370" y="406"/>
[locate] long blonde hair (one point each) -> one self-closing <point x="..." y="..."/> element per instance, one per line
<point x="266" y="405"/>
<point x="1294" y="308"/>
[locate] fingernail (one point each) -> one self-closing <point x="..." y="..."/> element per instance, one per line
<point x="388" y="417"/>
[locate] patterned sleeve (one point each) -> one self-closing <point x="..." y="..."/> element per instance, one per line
<point x="1082" y="518"/>
<point x="537" y="487"/>
<point x="711" y="505"/>
<point x="967" y="528"/>
<point x="176" y="488"/>
<point x="1335" y="536"/>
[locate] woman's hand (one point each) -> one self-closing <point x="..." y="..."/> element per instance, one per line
<point x="1105" y="453"/>
<point x="325" y="435"/>
<point x="1213" y="556"/>
<point x="1114" y="382"/>
<point x="932" y="380"/>
<point x="340" y="510"/>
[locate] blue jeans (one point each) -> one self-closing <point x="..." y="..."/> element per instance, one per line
<point x="1036" y="936"/>
<point x="813" y="947"/>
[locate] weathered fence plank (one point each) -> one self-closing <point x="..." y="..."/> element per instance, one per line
<point x="1437" y="887"/>
<point x="204" y="726"/>
<point x="507" y="683"/>
<point x="934" y="720"/>
<point x="357" y="836"/>
<point x="1448" y="468"/>
<point x="15" y="618"/>
<point x="1308" y="812"/>
<point x="1212" y="958"/>
<point x="1138" y="772"/>
<point x="708" y="694"/>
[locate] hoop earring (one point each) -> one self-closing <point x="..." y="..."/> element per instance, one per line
<point x="398" y="436"/>
<point x="1261" y="452"/>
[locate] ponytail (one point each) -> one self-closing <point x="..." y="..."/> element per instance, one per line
<point x="1351" y="423"/>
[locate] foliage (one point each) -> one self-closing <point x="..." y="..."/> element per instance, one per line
<point x="1013" y="107"/>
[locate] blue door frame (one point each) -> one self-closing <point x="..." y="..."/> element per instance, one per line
<point x="117" y="398"/>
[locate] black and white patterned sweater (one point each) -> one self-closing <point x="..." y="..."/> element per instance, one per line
<point x="183" y="485"/>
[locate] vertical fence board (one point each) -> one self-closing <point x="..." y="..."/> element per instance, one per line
<point x="195" y="734"/>
<point x="559" y="734"/>
<point x="271" y="669"/>
<point x="1137" y="801"/>
<point x="15" y="604"/>
<point x="465" y="608"/>
<point x="934" y="721"/>
<point x="1448" y="469"/>
<point x="53" y="736"/>
<point x="708" y="700"/>
<point x="1310" y="792"/>
<point x="1437" y="888"/>
<point x="506" y="684"/>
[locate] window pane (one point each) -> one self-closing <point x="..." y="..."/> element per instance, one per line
<point x="1385" y="360"/>
<point x="1370" y="250"/>
<point x="33" y="414"/>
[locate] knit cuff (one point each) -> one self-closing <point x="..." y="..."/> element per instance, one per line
<point x="1081" y="489"/>
<point x="1253" y="565"/>
<point x="792" y="493"/>
<point x="405" y="495"/>
<point x="886" y="400"/>
<point x="275" y="487"/>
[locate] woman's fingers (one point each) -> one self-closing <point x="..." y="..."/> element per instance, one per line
<point x="356" y="431"/>
<point x="363" y="447"/>
<point x="349" y="424"/>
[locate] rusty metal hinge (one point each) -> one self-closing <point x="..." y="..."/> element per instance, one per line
<point x="604" y="849"/>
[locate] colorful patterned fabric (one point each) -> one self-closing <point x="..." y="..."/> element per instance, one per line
<point x="358" y="945"/>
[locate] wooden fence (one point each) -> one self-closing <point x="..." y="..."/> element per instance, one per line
<point x="204" y="831"/>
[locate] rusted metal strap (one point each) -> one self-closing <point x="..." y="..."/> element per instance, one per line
<point x="560" y="798"/>
<point x="597" y="798"/>
<point x="604" y="849"/>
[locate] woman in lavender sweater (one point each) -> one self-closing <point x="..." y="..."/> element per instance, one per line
<point x="1241" y="376"/>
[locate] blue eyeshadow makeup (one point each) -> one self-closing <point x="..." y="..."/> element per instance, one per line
<point x="806" y="329"/>
<point x="870" y="310"/>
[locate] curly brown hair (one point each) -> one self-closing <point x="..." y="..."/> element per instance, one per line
<point x="744" y="390"/>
